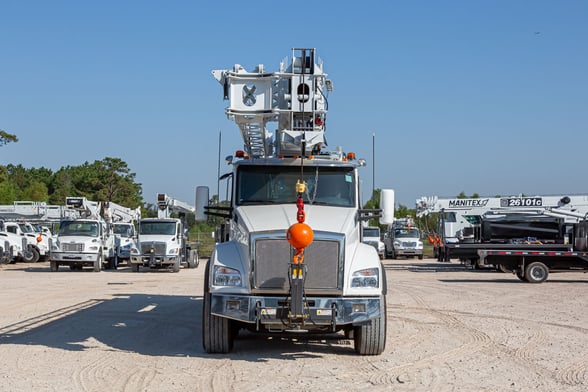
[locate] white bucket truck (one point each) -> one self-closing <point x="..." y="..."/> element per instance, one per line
<point x="86" y="241"/>
<point x="162" y="242"/>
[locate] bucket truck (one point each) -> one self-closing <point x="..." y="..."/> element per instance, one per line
<point x="23" y="218"/>
<point x="529" y="236"/>
<point x="162" y="241"/>
<point x="122" y="220"/>
<point x="292" y="258"/>
<point x="83" y="241"/>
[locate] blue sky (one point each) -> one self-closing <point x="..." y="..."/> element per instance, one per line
<point x="487" y="97"/>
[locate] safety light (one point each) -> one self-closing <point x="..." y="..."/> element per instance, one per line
<point x="351" y="156"/>
<point x="240" y="154"/>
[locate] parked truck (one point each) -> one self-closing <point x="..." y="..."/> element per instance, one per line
<point x="264" y="275"/>
<point x="163" y="242"/>
<point x="123" y="221"/>
<point x="85" y="241"/>
<point x="403" y="239"/>
<point x="528" y="236"/>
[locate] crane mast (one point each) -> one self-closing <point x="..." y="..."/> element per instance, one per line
<point x="294" y="98"/>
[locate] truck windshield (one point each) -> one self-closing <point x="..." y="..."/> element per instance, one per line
<point x="333" y="186"/>
<point x="89" y="229"/>
<point x="370" y="232"/>
<point x="147" y="228"/>
<point x="125" y="230"/>
<point x="412" y="233"/>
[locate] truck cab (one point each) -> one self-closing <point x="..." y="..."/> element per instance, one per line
<point x="403" y="241"/>
<point x="371" y="236"/>
<point x="83" y="243"/>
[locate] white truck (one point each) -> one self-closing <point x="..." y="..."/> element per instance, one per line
<point x="255" y="278"/>
<point x="25" y="219"/>
<point x="371" y="236"/>
<point x="403" y="239"/>
<point x="162" y="242"/>
<point x="84" y="241"/>
<point x="11" y="246"/>
<point x="123" y="221"/>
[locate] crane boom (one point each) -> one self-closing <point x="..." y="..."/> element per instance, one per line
<point x="166" y="205"/>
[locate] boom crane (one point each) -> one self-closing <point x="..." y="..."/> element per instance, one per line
<point x="271" y="271"/>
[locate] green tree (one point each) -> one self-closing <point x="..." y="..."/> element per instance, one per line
<point x="6" y="138"/>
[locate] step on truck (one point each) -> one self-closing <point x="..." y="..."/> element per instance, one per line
<point x="291" y="259"/>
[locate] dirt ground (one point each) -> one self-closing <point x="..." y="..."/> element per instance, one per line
<point x="449" y="329"/>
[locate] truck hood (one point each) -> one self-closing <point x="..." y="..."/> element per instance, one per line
<point x="282" y="216"/>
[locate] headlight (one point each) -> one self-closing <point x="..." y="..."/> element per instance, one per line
<point x="174" y="251"/>
<point x="225" y="276"/>
<point x="365" y="278"/>
<point x="396" y="243"/>
<point x="94" y="247"/>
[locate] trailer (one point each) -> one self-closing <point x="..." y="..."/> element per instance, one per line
<point x="528" y="236"/>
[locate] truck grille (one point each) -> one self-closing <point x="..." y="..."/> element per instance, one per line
<point x="72" y="247"/>
<point x="158" y="248"/>
<point x="323" y="260"/>
<point x="409" y="244"/>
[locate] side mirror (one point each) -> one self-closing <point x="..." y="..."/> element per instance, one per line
<point x="202" y="198"/>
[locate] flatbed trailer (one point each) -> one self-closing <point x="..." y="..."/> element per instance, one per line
<point x="533" y="265"/>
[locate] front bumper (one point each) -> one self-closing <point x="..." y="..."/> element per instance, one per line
<point x="74" y="258"/>
<point x="409" y="252"/>
<point x="153" y="261"/>
<point x="320" y="312"/>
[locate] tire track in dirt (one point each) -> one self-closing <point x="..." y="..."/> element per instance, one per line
<point x="138" y="379"/>
<point x="575" y="374"/>
<point x="96" y="372"/>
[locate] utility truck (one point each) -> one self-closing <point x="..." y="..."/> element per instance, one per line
<point x="163" y="241"/>
<point x="25" y="219"/>
<point x="371" y="236"/>
<point x="292" y="259"/>
<point x="11" y="246"/>
<point x="528" y="236"/>
<point x="85" y="241"/>
<point x="403" y="238"/>
<point x="123" y="221"/>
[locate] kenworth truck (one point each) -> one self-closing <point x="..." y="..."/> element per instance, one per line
<point x="268" y="273"/>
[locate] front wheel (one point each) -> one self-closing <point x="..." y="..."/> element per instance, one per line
<point x="536" y="272"/>
<point x="98" y="263"/>
<point x="217" y="332"/>
<point x="54" y="266"/>
<point x="370" y="339"/>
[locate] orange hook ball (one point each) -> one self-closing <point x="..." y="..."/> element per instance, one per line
<point x="300" y="235"/>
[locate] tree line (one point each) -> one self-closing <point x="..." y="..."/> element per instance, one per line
<point x="109" y="179"/>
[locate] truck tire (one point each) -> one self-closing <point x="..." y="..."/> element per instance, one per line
<point x="54" y="266"/>
<point x="370" y="339"/>
<point x="134" y="267"/>
<point x="217" y="333"/>
<point x="536" y="272"/>
<point x="30" y="256"/>
<point x="98" y="263"/>
<point x="192" y="259"/>
<point x="176" y="265"/>
<point x="420" y="257"/>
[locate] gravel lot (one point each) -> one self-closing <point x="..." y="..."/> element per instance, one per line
<point x="449" y="329"/>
